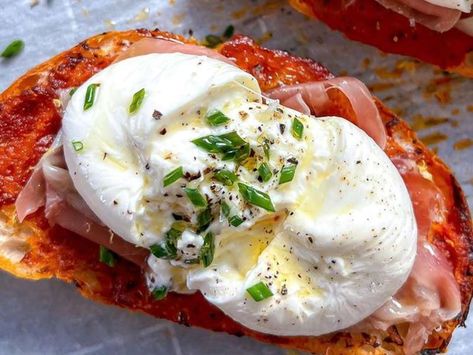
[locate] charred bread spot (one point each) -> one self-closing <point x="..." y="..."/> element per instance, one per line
<point x="183" y="319"/>
<point x="392" y="123"/>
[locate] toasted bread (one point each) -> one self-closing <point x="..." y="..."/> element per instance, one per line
<point x="29" y="119"/>
<point x="371" y="23"/>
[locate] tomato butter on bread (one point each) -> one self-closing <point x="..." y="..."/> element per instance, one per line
<point x="416" y="28"/>
<point x="243" y="190"/>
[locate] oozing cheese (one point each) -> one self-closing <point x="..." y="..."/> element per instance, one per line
<point x="340" y="241"/>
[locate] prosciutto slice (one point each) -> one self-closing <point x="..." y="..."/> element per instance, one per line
<point x="430" y="295"/>
<point x="51" y="186"/>
<point x="307" y="98"/>
<point x="313" y="98"/>
<point x="157" y="45"/>
<point x="435" y="17"/>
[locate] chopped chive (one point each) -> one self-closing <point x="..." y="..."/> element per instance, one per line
<point x="136" y="101"/>
<point x="212" y="41"/>
<point x="77" y="145"/>
<point x="207" y="250"/>
<point x="209" y="143"/>
<point x="287" y="173"/>
<point x="173" y="176"/>
<point x="225" y="209"/>
<point x="226" y="177"/>
<point x="266" y="149"/>
<point x="230" y="155"/>
<point x="217" y="118"/>
<point x="160" y="293"/>
<point x="90" y="96"/>
<point x="265" y="172"/>
<point x="229" y="31"/>
<point x="204" y="219"/>
<point x="256" y="197"/>
<point x="163" y="251"/>
<point x="13" y="49"/>
<point x="107" y="257"/>
<point x="167" y="249"/>
<point x="234" y="138"/>
<point x="235" y="221"/>
<point x="259" y="292"/>
<point x="72" y="91"/>
<point x="297" y="128"/>
<point x="220" y="144"/>
<point x="242" y="153"/>
<point x="194" y="195"/>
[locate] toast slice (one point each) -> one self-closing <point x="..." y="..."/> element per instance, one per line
<point x="371" y="23"/>
<point x="30" y="118"/>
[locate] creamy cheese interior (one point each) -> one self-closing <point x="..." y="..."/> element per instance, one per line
<point x="331" y="233"/>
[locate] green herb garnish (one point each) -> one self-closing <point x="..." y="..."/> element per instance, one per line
<point x="212" y="41"/>
<point x="297" y="128"/>
<point x="204" y="219"/>
<point x="256" y="197"/>
<point x="90" y="96"/>
<point x="266" y="149"/>
<point x="107" y="257"/>
<point x="235" y="221"/>
<point x="160" y="293"/>
<point x="207" y="250"/>
<point x="173" y="176"/>
<point x="229" y="31"/>
<point x="217" y="118"/>
<point x="265" y="172"/>
<point x="77" y="145"/>
<point x="226" y="177"/>
<point x="194" y="195"/>
<point x="167" y="249"/>
<point x="228" y="142"/>
<point x="225" y="208"/>
<point x="136" y="101"/>
<point x="226" y="211"/>
<point x="242" y="153"/>
<point x="163" y="251"/>
<point x="13" y="49"/>
<point x="72" y="91"/>
<point x="287" y="173"/>
<point x="230" y="145"/>
<point x="259" y="292"/>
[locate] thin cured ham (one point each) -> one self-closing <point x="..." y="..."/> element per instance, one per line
<point x="308" y="98"/>
<point x="157" y="45"/>
<point x="431" y="295"/>
<point x="51" y="186"/>
<point x="313" y="98"/>
<point x="437" y="18"/>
